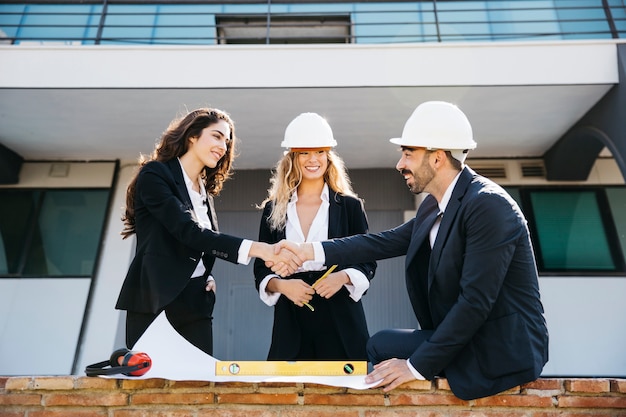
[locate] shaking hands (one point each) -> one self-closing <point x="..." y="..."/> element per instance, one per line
<point x="302" y="251"/>
<point x="284" y="260"/>
<point x="284" y="257"/>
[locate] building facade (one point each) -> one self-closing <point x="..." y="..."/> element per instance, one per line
<point x="85" y="87"/>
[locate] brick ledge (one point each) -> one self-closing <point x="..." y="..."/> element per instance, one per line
<point x="69" y="396"/>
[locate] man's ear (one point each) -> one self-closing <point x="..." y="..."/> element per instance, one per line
<point x="439" y="157"/>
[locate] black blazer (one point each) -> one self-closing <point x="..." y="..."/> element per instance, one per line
<point x="169" y="242"/>
<point x="346" y="217"/>
<point x="478" y="289"/>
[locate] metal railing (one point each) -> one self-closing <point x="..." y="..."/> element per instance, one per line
<point x="388" y="22"/>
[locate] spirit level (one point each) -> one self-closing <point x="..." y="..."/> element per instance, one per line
<point x="294" y="368"/>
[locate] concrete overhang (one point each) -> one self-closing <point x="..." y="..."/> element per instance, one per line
<point x="113" y="102"/>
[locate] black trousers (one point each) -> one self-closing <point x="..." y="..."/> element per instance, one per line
<point x="395" y="343"/>
<point x="190" y="314"/>
<point x="319" y="337"/>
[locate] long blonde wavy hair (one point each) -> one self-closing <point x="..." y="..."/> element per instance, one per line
<point x="287" y="176"/>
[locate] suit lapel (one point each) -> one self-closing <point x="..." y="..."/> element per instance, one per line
<point x="448" y="220"/>
<point x="424" y="220"/>
<point x="334" y="215"/>
<point x="177" y="172"/>
<point x="212" y="214"/>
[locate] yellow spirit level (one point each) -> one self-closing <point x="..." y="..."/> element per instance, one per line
<point x="292" y="368"/>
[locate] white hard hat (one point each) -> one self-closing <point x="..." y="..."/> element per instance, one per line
<point x="438" y="125"/>
<point x="308" y="130"/>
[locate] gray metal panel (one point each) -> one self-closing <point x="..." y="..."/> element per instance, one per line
<point x="244" y="191"/>
<point x="387" y="303"/>
<point x="382" y="189"/>
<point x="242" y="323"/>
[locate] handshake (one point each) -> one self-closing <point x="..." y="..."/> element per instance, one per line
<point x="284" y="257"/>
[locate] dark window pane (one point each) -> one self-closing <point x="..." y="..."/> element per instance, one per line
<point x="570" y="231"/>
<point x="66" y="237"/>
<point x="16" y="211"/>
<point x="514" y="192"/>
<point x="617" y="202"/>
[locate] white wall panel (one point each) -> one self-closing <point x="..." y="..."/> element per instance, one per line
<point x="40" y="321"/>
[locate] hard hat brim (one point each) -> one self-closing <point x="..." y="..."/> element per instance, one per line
<point x="402" y="142"/>
<point x="331" y="144"/>
<point x="398" y="141"/>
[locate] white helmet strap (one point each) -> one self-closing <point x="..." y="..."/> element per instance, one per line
<point x="459" y="154"/>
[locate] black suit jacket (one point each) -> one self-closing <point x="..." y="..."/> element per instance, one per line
<point x="346" y="217"/>
<point x="169" y="242"/>
<point x="478" y="289"/>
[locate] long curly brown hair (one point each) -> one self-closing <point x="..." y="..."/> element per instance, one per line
<point x="175" y="143"/>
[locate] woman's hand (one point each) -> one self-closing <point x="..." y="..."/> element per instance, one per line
<point x="282" y="261"/>
<point x="210" y="285"/>
<point x="298" y="291"/>
<point x="304" y="251"/>
<point x="331" y="284"/>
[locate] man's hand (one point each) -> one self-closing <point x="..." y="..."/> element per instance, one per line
<point x="390" y="374"/>
<point x="283" y="262"/>
<point x="210" y="285"/>
<point x="289" y="249"/>
<point x="304" y="251"/>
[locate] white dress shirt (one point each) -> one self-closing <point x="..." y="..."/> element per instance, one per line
<point x="201" y="215"/>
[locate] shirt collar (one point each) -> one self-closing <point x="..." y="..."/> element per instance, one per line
<point x="189" y="183"/>
<point x="448" y="194"/>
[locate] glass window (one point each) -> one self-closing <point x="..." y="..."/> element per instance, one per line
<point x="129" y="24"/>
<point x="16" y="210"/>
<point x="368" y="22"/>
<point x="51" y="232"/>
<point x="570" y="232"/>
<point x="288" y="29"/>
<point x="58" y="23"/>
<point x="617" y="203"/>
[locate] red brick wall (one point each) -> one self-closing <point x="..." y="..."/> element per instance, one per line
<point x="73" y="396"/>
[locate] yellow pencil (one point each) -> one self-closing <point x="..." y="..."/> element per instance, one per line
<point x="327" y="273"/>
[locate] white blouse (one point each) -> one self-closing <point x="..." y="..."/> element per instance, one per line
<point x="201" y="215"/>
<point x="317" y="233"/>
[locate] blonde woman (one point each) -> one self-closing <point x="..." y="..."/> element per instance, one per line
<point x="311" y="199"/>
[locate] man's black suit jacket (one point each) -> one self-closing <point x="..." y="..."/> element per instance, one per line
<point x="479" y="291"/>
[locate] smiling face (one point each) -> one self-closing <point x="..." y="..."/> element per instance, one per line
<point x="414" y="165"/>
<point x="211" y="145"/>
<point x="313" y="164"/>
